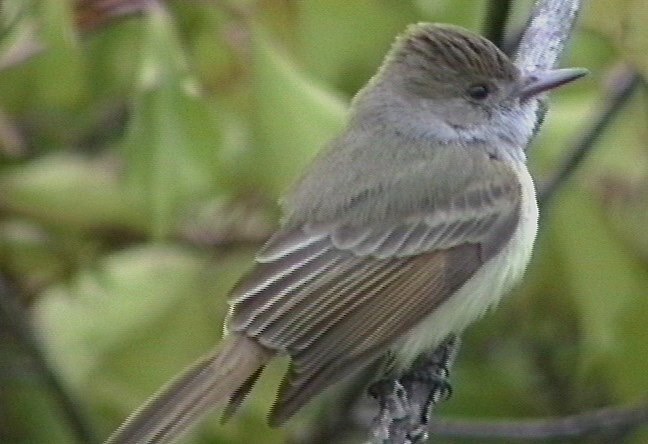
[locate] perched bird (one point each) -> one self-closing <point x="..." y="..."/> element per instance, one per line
<point x="408" y="226"/>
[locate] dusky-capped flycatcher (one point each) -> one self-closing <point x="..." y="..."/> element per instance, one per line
<point x="409" y="225"/>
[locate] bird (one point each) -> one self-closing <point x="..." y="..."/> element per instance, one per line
<point x="408" y="225"/>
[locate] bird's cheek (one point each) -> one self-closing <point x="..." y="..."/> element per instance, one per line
<point x="474" y="115"/>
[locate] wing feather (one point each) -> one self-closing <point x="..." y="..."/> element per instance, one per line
<point x="334" y="294"/>
<point x="332" y="299"/>
<point x="426" y="282"/>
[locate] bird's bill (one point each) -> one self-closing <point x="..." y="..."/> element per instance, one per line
<point x="540" y="81"/>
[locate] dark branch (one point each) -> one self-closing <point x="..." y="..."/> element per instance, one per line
<point x="495" y="23"/>
<point x="16" y="322"/>
<point x="622" y="87"/>
<point x="575" y="426"/>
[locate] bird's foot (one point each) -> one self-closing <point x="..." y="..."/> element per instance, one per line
<point x="406" y="402"/>
<point x="394" y="407"/>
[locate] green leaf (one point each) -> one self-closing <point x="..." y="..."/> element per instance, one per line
<point x="343" y="43"/>
<point x="26" y="252"/>
<point x="70" y="190"/>
<point x="624" y="21"/>
<point x="173" y="137"/>
<point x="293" y="117"/>
<point x="142" y="294"/>
<point x="608" y="287"/>
<point x="467" y="13"/>
<point x="62" y="48"/>
<point x="119" y="330"/>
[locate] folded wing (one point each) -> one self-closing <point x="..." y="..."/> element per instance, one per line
<point x="334" y="295"/>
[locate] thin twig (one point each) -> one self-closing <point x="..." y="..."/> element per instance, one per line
<point x="574" y="426"/>
<point x="15" y="320"/>
<point x="622" y="87"/>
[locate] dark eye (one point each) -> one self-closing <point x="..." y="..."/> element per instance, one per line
<point x="479" y="91"/>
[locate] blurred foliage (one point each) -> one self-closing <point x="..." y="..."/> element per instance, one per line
<point x="141" y="156"/>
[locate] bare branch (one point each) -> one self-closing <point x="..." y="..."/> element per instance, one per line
<point x="575" y="426"/>
<point x="544" y="39"/>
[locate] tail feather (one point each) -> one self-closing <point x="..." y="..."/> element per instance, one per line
<point x="208" y="384"/>
<point x="239" y="396"/>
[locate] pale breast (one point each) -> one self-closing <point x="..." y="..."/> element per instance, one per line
<point x="486" y="287"/>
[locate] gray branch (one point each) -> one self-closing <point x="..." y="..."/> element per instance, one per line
<point x="544" y="39"/>
<point x="542" y="44"/>
<point x="400" y="419"/>
<point x="608" y="420"/>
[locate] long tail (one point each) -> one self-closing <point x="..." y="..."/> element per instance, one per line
<point x="207" y="384"/>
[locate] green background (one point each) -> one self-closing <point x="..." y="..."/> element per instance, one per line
<point x="140" y="164"/>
